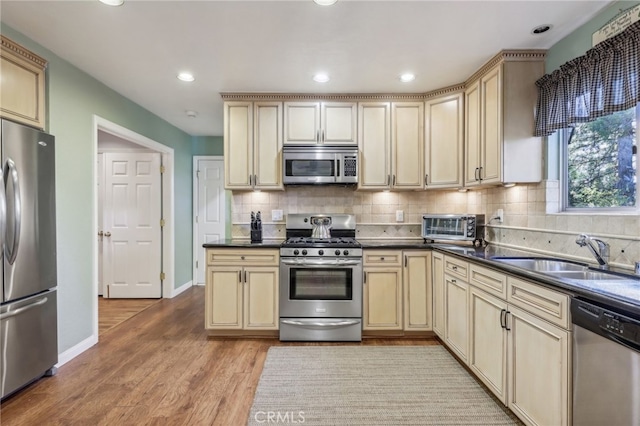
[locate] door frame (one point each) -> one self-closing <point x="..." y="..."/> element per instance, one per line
<point x="196" y="158"/>
<point x="168" y="203"/>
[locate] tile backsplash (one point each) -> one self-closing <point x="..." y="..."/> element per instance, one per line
<point x="531" y="218"/>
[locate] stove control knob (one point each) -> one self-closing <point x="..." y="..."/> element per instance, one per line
<point x="320" y="252"/>
<point x="337" y="252"/>
<point x="304" y="252"/>
<point x="346" y="252"/>
<point x="296" y="252"/>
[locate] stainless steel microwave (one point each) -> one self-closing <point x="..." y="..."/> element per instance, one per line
<point x="461" y="227"/>
<point x="311" y="165"/>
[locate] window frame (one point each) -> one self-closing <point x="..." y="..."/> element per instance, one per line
<point x="564" y="177"/>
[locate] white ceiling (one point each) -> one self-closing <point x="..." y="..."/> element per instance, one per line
<point x="276" y="46"/>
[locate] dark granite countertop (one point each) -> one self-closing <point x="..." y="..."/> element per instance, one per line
<point x="620" y="294"/>
<point x="236" y="243"/>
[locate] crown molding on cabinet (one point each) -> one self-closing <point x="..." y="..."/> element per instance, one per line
<point x="502" y="56"/>
<point x="14" y="47"/>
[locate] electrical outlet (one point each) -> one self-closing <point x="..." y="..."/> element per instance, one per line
<point x="276" y="215"/>
<point x="500" y="215"/>
<point x="399" y="216"/>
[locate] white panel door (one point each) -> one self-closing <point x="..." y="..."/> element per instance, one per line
<point x="210" y="211"/>
<point x="132" y="231"/>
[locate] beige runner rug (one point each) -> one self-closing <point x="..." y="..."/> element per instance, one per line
<point x="371" y="385"/>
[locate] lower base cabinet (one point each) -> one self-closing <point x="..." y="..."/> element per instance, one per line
<point x="523" y="359"/>
<point x="242" y="297"/>
<point x="382" y="299"/>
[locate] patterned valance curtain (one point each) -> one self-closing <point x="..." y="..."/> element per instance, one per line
<point x="603" y="81"/>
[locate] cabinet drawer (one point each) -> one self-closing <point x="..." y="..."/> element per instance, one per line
<point x="253" y="257"/>
<point x="489" y="280"/>
<point x="545" y="303"/>
<point x="456" y="267"/>
<point x="382" y="258"/>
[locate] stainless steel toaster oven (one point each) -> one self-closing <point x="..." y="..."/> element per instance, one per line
<point x="460" y="227"/>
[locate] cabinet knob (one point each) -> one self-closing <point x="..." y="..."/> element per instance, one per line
<point x="100" y="233"/>
<point x="382" y="258"/>
<point x="241" y="257"/>
<point x="455" y="268"/>
<point x="107" y="234"/>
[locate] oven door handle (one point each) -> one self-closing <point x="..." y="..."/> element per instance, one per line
<point x="312" y="263"/>
<point x="321" y="324"/>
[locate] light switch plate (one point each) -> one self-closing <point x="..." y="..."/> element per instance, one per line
<point x="276" y="215"/>
<point x="399" y="216"/>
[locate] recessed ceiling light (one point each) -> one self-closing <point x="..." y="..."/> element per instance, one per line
<point x="541" y="29"/>
<point x="321" y="77"/>
<point x="112" y="2"/>
<point x="407" y="77"/>
<point x="185" y="76"/>
<point x="191" y="113"/>
<point x="325" y="2"/>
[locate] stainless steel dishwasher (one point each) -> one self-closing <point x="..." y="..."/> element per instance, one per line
<point x="606" y="365"/>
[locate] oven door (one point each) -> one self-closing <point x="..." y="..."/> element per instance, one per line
<point x="320" y="288"/>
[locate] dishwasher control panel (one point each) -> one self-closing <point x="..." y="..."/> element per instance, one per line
<point x="605" y="321"/>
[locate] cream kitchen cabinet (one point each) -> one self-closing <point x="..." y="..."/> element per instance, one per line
<point x="438" y="293"/>
<point x="382" y="293"/>
<point x="444" y="133"/>
<point x="253" y="145"/>
<point x="500" y="101"/>
<point x="519" y="347"/>
<point x="456" y="324"/>
<point x="331" y="123"/>
<point x="22" y="86"/>
<point x="242" y="290"/>
<point x="391" y="145"/>
<point x="416" y="278"/>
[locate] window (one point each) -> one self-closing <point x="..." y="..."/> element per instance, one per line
<point x="601" y="166"/>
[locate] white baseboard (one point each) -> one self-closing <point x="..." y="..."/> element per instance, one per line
<point x="183" y="287"/>
<point x="76" y="350"/>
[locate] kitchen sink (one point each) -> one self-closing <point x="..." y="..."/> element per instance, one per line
<point x="542" y="264"/>
<point x="563" y="269"/>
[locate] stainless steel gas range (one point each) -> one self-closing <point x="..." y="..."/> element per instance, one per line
<point x="320" y="280"/>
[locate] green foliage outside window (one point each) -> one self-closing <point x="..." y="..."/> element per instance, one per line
<point x="601" y="157"/>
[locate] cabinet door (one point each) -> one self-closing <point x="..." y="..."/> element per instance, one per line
<point x="491" y="125"/>
<point x="301" y="123"/>
<point x="338" y="123"/>
<point x="488" y="341"/>
<point x="443" y="142"/>
<point x="438" y="294"/>
<point x="267" y="145"/>
<point x="472" y="135"/>
<point x="261" y="298"/>
<point x="22" y="85"/>
<point x="456" y="333"/>
<point x="238" y="145"/>
<point x="416" y="277"/>
<point x="382" y="307"/>
<point x="374" y="141"/>
<point x="539" y="370"/>
<point x="223" y="303"/>
<point x="407" y="145"/>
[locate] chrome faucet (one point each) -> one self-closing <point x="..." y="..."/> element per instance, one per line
<point x="601" y="253"/>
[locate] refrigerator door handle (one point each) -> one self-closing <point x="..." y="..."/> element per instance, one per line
<point x="12" y="171"/>
<point x="3" y="215"/>
<point x="23" y="309"/>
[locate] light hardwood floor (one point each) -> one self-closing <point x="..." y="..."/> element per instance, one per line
<point x="112" y="312"/>
<point x="160" y="369"/>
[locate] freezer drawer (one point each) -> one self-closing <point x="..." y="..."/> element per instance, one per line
<point x="28" y="340"/>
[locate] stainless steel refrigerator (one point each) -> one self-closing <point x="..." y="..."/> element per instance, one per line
<point x="28" y="317"/>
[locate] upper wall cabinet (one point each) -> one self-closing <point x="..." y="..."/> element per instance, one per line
<point x="331" y="123"/>
<point x="500" y="101"/>
<point x="253" y="145"/>
<point x="444" y="133"/>
<point x="22" y="86"/>
<point x="391" y="143"/>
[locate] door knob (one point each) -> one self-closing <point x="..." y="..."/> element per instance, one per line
<point x="107" y="234"/>
<point x="100" y="233"/>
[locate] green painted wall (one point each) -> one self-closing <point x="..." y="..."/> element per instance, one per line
<point x="207" y="145"/>
<point x="578" y="42"/>
<point x="73" y="98"/>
